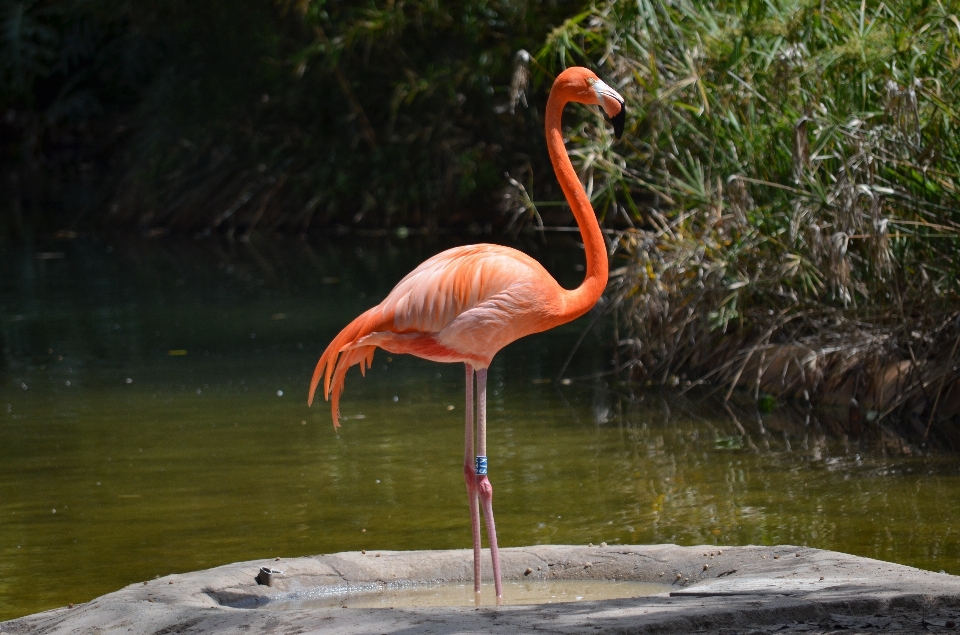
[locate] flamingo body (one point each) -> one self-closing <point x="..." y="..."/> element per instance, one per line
<point x="462" y="305"/>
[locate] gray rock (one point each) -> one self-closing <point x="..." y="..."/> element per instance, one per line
<point x="744" y="589"/>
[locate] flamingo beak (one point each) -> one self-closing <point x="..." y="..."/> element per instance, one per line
<point x="614" y="108"/>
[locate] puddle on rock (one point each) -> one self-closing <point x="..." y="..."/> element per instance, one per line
<point x="515" y="592"/>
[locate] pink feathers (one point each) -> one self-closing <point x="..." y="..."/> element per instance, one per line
<point x="462" y="305"/>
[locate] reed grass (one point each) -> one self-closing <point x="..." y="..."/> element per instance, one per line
<point x="788" y="181"/>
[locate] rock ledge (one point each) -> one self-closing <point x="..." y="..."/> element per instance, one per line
<point x="780" y="589"/>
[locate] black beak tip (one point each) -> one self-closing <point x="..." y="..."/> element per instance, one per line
<point x="618" y="120"/>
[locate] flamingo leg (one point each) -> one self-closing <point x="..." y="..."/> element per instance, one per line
<point x="483" y="483"/>
<point x="469" y="475"/>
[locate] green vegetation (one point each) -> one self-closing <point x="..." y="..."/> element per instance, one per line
<point x="68" y="70"/>
<point x="256" y="116"/>
<point x="91" y="91"/>
<point x="791" y="173"/>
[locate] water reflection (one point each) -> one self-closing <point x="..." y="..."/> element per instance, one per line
<point x="153" y="420"/>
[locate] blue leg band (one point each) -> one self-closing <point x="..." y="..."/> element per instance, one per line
<point x="481" y="465"/>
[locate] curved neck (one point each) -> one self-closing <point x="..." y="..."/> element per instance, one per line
<point x="584" y="297"/>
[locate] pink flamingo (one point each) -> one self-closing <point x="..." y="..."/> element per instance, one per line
<point x="465" y="304"/>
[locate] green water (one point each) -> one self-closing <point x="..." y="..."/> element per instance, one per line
<point x="122" y="458"/>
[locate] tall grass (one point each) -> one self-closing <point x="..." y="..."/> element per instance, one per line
<point x="789" y="176"/>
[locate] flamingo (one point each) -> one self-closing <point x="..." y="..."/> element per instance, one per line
<point x="466" y="303"/>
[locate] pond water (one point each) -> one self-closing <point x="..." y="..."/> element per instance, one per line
<point x="153" y="420"/>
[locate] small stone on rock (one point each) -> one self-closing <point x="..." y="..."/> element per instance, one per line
<point x="528" y="571"/>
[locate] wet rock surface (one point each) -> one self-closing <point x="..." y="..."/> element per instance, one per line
<point x="721" y="590"/>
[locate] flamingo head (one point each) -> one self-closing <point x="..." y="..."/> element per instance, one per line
<point x="582" y="85"/>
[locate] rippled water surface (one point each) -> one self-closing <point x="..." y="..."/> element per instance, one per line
<point x="153" y="420"/>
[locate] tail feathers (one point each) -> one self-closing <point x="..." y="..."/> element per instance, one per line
<point x="340" y="356"/>
<point x="362" y="355"/>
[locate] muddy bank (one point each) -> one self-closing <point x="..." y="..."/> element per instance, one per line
<point x="711" y="589"/>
